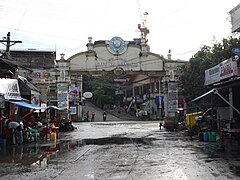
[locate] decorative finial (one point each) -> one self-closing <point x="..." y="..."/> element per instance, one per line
<point x="62" y="55"/>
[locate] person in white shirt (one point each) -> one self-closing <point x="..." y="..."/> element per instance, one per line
<point x="13" y="127"/>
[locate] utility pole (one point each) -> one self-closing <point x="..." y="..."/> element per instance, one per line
<point x="8" y="44"/>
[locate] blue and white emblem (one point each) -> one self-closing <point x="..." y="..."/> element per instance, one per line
<point x="117" y="45"/>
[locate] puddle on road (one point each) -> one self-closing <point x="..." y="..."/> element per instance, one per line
<point x="38" y="155"/>
<point x="25" y="157"/>
<point x="214" y="152"/>
<point x="118" y="140"/>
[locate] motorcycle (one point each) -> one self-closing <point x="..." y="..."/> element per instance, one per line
<point x="104" y="116"/>
<point x="66" y="126"/>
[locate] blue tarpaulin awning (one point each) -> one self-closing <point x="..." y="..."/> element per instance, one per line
<point x="27" y="105"/>
<point x="58" y="108"/>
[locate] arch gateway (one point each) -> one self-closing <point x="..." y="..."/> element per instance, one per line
<point x="153" y="78"/>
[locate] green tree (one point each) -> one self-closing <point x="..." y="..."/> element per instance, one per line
<point x="193" y="76"/>
<point x="104" y="89"/>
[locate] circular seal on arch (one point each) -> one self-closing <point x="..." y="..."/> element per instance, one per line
<point x="118" y="71"/>
<point x="117" y="45"/>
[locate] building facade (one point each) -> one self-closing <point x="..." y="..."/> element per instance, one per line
<point x="153" y="80"/>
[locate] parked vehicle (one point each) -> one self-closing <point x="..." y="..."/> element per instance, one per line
<point x="66" y="125"/>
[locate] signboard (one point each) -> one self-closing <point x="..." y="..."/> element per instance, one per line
<point x="235" y="18"/>
<point x="212" y="75"/>
<point x="10" y="89"/>
<point x="87" y="94"/>
<point x="73" y="95"/>
<point x="73" y="110"/>
<point x="62" y="95"/>
<point x="228" y="68"/>
<point x="39" y="74"/>
<point x="224" y="70"/>
<point x="121" y="80"/>
<point x="172" y="97"/>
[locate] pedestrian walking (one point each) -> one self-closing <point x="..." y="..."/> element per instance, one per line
<point x="160" y="125"/>
<point x="87" y="115"/>
<point x="93" y="116"/>
<point x="148" y="114"/>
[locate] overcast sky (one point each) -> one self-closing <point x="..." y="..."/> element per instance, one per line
<point x="180" y="25"/>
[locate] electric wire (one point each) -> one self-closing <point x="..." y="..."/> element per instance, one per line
<point x="49" y="10"/>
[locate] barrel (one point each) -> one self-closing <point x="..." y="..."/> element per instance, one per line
<point x="212" y="136"/>
<point x="53" y="136"/>
<point x="205" y="137"/>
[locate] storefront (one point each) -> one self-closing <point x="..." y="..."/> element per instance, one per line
<point x="225" y="81"/>
<point x="9" y="89"/>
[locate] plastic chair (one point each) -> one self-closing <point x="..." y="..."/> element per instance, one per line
<point x="33" y="133"/>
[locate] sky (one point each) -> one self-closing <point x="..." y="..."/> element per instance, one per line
<point x="183" y="26"/>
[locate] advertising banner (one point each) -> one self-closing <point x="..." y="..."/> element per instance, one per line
<point x="73" y="95"/>
<point x="228" y="69"/>
<point x="73" y="110"/>
<point x="224" y="70"/>
<point x="10" y="89"/>
<point x="62" y="95"/>
<point x="212" y="75"/>
<point x="235" y="15"/>
<point x="172" y="97"/>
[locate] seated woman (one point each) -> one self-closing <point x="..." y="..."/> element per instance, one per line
<point x="52" y="125"/>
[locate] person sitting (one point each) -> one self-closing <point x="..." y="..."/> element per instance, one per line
<point x="52" y="125"/>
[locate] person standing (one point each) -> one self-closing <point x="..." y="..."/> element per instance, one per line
<point x="148" y="114"/>
<point x="13" y="125"/>
<point x="160" y="125"/>
<point x="19" y="133"/>
<point x="93" y="116"/>
<point x="87" y="115"/>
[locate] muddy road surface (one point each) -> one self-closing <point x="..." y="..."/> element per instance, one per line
<point x="120" y="150"/>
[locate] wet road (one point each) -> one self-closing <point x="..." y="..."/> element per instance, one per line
<point x="120" y="150"/>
